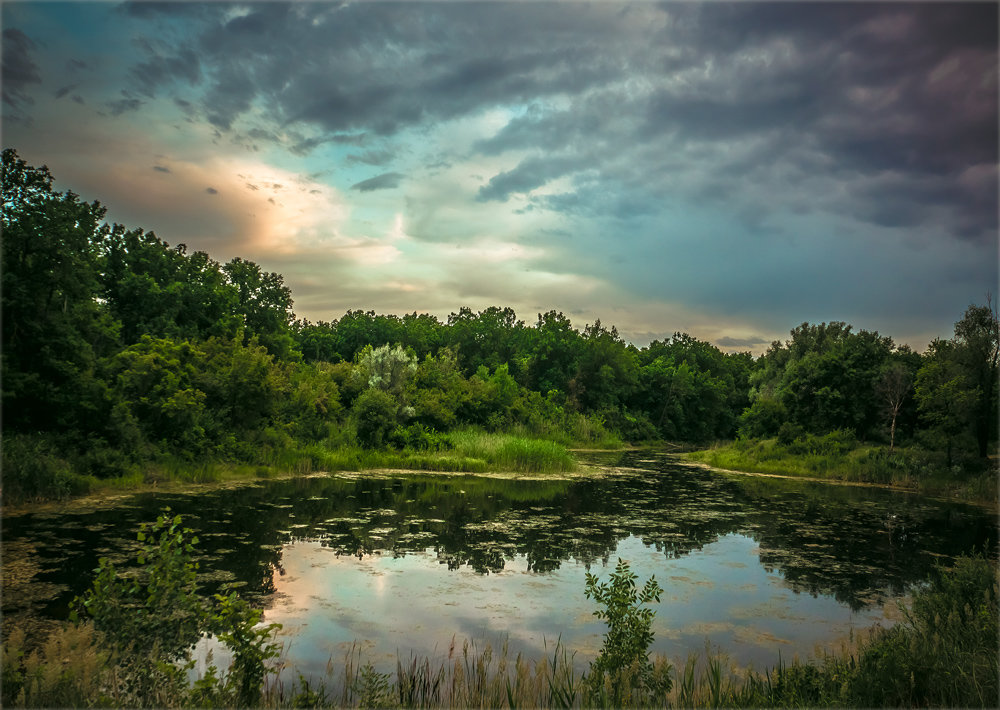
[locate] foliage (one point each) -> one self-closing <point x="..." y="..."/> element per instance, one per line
<point x="150" y="621"/>
<point x="978" y="337"/>
<point x="945" y="395"/>
<point x="237" y="625"/>
<point x="53" y="329"/>
<point x="376" y="414"/>
<point x="121" y="354"/>
<point x="33" y="469"/>
<point x="68" y="669"/>
<point x="157" y="610"/>
<point x="763" y="418"/>
<point x="622" y="670"/>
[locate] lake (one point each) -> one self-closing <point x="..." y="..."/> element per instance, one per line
<point x="398" y="564"/>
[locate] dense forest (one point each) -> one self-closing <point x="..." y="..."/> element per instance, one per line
<point x="121" y="351"/>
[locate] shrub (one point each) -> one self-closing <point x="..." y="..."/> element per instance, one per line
<point x="789" y="432"/>
<point x="33" y="470"/>
<point x="417" y="437"/>
<point x="151" y="621"/>
<point x="622" y="673"/>
<point x="375" y="417"/>
<point x="762" y="419"/>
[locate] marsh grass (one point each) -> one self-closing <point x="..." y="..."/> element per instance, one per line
<point x="33" y="472"/>
<point x="836" y="456"/>
<point x="468" y="676"/>
<point x="509" y="452"/>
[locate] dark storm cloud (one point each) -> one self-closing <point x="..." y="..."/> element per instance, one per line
<point x="184" y="66"/>
<point x="124" y="105"/>
<point x="388" y="66"/>
<point x="379" y="182"/>
<point x="894" y="105"/>
<point x="62" y="91"/>
<point x="19" y="69"/>
<point x="529" y="174"/>
<point x="170" y="8"/>
<point x="371" y="157"/>
<point x="161" y="169"/>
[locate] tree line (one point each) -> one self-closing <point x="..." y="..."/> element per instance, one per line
<point x="119" y="348"/>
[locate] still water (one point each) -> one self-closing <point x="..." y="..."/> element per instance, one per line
<point x="416" y="564"/>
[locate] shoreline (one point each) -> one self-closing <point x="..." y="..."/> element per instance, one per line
<point x="994" y="507"/>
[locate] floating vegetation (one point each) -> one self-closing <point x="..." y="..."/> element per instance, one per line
<point x="822" y="540"/>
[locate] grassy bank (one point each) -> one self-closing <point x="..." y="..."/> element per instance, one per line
<point x="34" y="471"/>
<point x="837" y="456"/>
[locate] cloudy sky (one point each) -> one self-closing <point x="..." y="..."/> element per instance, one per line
<point x="729" y="170"/>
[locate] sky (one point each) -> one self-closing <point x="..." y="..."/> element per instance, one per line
<point x="728" y="170"/>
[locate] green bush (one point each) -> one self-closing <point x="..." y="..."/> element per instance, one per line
<point x="789" y="432"/>
<point x="375" y="417"/>
<point x="417" y="437"/>
<point x="622" y="673"/>
<point x="762" y="419"/>
<point x="33" y="470"/>
<point x="149" y="622"/>
<point x="944" y="653"/>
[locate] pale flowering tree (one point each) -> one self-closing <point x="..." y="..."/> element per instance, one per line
<point x="387" y="368"/>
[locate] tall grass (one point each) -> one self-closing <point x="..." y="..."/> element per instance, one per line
<point x="34" y="472"/>
<point x="837" y="456"/>
<point x="507" y="452"/>
<point x="469" y="676"/>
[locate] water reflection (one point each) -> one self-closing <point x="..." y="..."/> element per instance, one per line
<point x="858" y="546"/>
<point x="411" y="605"/>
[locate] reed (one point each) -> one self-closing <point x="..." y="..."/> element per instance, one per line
<point x="508" y="452"/>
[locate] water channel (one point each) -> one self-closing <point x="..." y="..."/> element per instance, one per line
<point x="412" y="564"/>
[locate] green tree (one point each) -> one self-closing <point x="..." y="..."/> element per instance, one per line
<point x="437" y="390"/>
<point x="422" y="333"/>
<point x="246" y="383"/>
<point x="316" y="341"/>
<point x="54" y="327"/>
<point x="313" y="403"/>
<point x="978" y="337"/>
<point x="489" y="338"/>
<point x="553" y="351"/>
<point x="264" y="304"/>
<point x="606" y="372"/>
<point x="946" y="395"/>
<point x="825" y="377"/>
<point x="376" y="414"/>
<point x="356" y="329"/>
<point x="156" y="290"/>
<point x="153" y="391"/>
